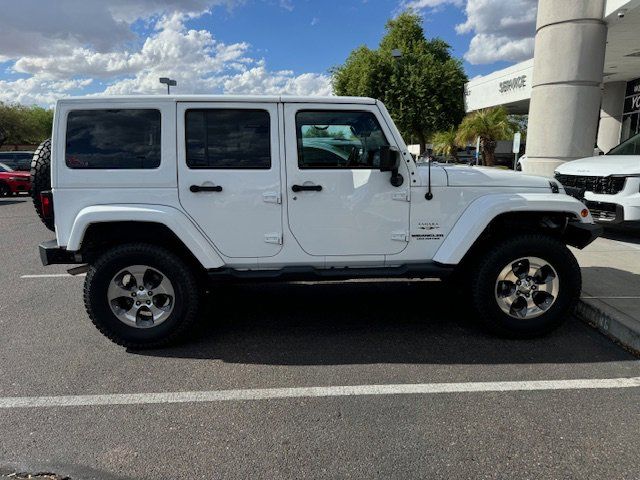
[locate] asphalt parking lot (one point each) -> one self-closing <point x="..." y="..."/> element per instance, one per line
<point x="287" y="337"/>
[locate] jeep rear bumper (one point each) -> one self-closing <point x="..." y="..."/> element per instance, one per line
<point x="580" y="235"/>
<point x="52" y="254"/>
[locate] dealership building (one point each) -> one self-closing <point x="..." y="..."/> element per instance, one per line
<point x="581" y="89"/>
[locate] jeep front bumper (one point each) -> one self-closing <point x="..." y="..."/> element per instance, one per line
<point x="580" y="235"/>
<point x="52" y="254"/>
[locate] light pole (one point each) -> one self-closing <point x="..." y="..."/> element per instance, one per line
<point x="169" y="83"/>
<point x="396" y="53"/>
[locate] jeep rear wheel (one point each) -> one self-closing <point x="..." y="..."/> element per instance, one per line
<point x="526" y="286"/>
<point x="141" y="296"/>
<point x="41" y="179"/>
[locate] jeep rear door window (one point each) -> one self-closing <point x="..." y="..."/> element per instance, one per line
<point x="338" y="139"/>
<point x="113" y="139"/>
<point x="228" y="138"/>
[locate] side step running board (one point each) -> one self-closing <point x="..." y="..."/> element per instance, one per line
<point x="421" y="270"/>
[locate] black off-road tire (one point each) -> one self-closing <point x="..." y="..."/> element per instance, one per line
<point x="5" y="191"/>
<point x="484" y="275"/>
<point x="41" y="179"/>
<point x="182" y="277"/>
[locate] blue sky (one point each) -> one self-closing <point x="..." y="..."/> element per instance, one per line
<point x="75" y="47"/>
<point x="314" y="36"/>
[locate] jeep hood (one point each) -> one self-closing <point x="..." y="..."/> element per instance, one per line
<point x="466" y="176"/>
<point x="602" y="166"/>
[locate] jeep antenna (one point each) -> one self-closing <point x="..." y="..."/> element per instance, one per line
<point x="429" y="194"/>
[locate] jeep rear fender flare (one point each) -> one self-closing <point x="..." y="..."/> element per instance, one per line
<point x="479" y="214"/>
<point x="172" y="218"/>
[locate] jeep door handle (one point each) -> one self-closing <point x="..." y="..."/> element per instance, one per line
<point x="205" y="188"/>
<point x="306" y="188"/>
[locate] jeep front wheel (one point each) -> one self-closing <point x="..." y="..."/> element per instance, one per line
<point x="141" y="296"/>
<point x="526" y="286"/>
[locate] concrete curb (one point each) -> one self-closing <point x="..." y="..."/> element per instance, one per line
<point x="611" y="322"/>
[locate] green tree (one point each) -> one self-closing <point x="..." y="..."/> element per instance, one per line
<point x="423" y="89"/>
<point x="24" y="125"/>
<point x="491" y="125"/>
<point x="322" y="132"/>
<point x="521" y="123"/>
<point x="446" y="143"/>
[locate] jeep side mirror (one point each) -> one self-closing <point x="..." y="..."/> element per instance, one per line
<point x="390" y="162"/>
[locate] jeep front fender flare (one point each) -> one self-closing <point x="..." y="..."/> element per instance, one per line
<point x="477" y="216"/>
<point x="172" y="218"/>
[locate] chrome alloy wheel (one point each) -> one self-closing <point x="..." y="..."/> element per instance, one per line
<point x="527" y="287"/>
<point x="141" y="296"/>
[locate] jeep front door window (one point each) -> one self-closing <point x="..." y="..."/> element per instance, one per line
<point x="331" y="139"/>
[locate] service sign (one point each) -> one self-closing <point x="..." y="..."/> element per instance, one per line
<point x="632" y="100"/>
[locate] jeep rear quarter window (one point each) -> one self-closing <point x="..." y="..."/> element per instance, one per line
<point x="113" y="139"/>
<point x="228" y="138"/>
<point x="338" y="139"/>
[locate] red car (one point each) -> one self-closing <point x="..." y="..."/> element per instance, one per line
<point x="12" y="182"/>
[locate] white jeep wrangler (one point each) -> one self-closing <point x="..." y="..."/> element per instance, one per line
<point x="153" y="196"/>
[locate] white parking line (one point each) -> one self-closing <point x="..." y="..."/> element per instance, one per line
<point x="53" y="275"/>
<point x="331" y="391"/>
<point x="613" y="298"/>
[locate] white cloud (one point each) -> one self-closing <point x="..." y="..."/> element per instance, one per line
<point x="422" y="4"/>
<point x="258" y="80"/>
<point x="287" y="4"/>
<point x="39" y="89"/>
<point x="199" y="62"/>
<point x="488" y="48"/>
<point x="29" y="27"/>
<point x="503" y="30"/>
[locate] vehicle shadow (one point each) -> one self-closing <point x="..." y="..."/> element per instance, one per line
<point x="6" y="201"/>
<point x="610" y="282"/>
<point x="629" y="234"/>
<point x="368" y="322"/>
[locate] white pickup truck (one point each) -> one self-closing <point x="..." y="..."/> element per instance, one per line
<point x="154" y="196"/>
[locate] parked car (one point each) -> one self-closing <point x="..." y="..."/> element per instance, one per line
<point x="18" y="161"/>
<point x="521" y="163"/>
<point x="609" y="184"/>
<point x="153" y="197"/>
<point x="12" y="182"/>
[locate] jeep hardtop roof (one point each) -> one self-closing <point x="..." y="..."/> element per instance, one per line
<point x="217" y="98"/>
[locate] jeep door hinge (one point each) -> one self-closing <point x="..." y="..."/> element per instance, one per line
<point x="404" y="196"/>
<point x="271" y="197"/>
<point x="400" y="236"/>
<point x="273" y="238"/>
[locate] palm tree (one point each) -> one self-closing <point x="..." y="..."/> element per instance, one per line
<point x="491" y="125"/>
<point x="445" y="143"/>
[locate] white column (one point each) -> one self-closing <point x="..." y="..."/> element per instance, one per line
<point x="611" y="115"/>
<point x="567" y="73"/>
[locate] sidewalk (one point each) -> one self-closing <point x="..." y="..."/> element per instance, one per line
<point x="611" y="286"/>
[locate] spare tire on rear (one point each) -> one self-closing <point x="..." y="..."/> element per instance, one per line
<point x="41" y="179"/>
